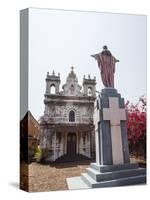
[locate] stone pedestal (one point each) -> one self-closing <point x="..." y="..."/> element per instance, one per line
<point x="112" y="167"/>
<point x="110" y="129"/>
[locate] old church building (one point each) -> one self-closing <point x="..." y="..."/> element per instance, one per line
<point x="67" y="128"/>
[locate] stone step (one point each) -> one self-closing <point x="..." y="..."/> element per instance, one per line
<point x="112" y="183"/>
<point x="76" y="183"/>
<point x="114" y="174"/>
<point x="110" y="168"/>
<point x="74" y="158"/>
<point x="87" y="179"/>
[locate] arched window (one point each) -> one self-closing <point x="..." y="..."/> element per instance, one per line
<point x="89" y="91"/>
<point x="72" y="89"/>
<point x="52" y="89"/>
<point x="71" y="116"/>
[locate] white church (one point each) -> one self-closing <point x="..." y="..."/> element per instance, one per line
<point x="67" y="127"/>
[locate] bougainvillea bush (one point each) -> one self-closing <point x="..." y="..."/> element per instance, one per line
<point x="136" y="124"/>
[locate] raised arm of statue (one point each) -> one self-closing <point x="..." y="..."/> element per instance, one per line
<point x="94" y="56"/>
<point x="116" y="60"/>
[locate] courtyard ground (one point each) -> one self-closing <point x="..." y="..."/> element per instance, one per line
<point x="53" y="177"/>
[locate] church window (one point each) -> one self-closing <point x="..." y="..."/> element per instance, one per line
<point x="52" y="89"/>
<point x="72" y="89"/>
<point x="71" y="116"/>
<point x="89" y="91"/>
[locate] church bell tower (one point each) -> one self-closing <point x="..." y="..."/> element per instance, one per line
<point x="89" y="86"/>
<point x="52" y="83"/>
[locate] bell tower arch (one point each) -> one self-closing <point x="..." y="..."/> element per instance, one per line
<point x="52" y="83"/>
<point x="89" y="86"/>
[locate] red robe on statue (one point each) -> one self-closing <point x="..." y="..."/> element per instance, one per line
<point x="106" y="63"/>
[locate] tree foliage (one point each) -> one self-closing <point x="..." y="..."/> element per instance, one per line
<point x="136" y="124"/>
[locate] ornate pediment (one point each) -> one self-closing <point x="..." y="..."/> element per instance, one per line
<point x="71" y="87"/>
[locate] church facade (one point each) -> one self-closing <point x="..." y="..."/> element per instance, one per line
<point x="67" y="127"/>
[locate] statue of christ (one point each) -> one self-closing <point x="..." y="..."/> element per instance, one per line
<point x="106" y="63"/>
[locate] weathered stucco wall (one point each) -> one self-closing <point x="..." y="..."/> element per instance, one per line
<point x="56" y="122"/>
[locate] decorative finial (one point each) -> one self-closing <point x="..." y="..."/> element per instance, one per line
<point x="89" y="76"/>
<point x="53" y="73"/>
<point x="84" y="76"/>
<point x="47" y="73"/>
<point x="58" y="74"/>
<point x="94" y="77"/>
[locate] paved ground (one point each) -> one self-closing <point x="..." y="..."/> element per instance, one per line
<point x="46" y="177"/>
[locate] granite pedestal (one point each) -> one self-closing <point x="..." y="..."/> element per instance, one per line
<point x="112" y="167"/>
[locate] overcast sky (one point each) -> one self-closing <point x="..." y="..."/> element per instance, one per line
<point x="61" y="39"/>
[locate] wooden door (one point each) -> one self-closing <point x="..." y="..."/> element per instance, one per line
<point x="71" y="144"/>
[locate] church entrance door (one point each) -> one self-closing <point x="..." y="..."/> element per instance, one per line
<point x="71" y="144"/>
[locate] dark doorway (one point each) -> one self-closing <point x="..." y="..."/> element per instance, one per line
<point x="71" y="144"/>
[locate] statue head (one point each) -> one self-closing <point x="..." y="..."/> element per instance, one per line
<point x="106" y="51"/>
<point x="105" y="47"/>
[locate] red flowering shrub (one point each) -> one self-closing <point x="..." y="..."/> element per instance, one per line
<point x="136" y="124"/>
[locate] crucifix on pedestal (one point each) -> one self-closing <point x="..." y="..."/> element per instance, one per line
<point x="111" y="131"/>
<point x="115" y="114"/>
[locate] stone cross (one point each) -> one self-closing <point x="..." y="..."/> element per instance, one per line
<point x="115" y="114"/>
